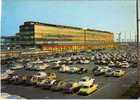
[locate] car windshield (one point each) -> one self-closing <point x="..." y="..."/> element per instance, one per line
<point x="84" y="86"/>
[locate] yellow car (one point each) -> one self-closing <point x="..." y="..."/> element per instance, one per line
<point x="86" y="90"/>
<point x="118" y="73"/>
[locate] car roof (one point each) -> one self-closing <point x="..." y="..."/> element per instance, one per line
<point x="86" y="77"/>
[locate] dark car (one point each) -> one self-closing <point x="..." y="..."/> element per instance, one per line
<point x="94" y="68"/>
<point x="71" y="87"/>
<point x="98" y="72"/>
<point x="82" y="70"/>
<point x="27" y="80"/>
<point x="16" y="80"/>
<point x="58" y="86"/>
<point x="48" y="84"/>
<point x="109" y="73"/>
<point x="133" y="64"/>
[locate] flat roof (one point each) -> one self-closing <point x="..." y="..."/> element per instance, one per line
<point x="7" y="37"/>
<point x="63" y="26"/>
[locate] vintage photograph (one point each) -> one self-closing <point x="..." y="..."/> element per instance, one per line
<point x="70" y="49"/>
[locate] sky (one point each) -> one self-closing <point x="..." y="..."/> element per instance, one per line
<point x="108" y="15"/>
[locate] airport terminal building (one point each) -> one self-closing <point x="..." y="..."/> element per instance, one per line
<point x="60" y="38"/>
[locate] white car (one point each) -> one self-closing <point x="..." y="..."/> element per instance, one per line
<point x="58" y="62"/>
<point x="17" y="66"/>
<point x="37" y="61"/>
<point x="92" y="58"/>
<point x="40" y="66"/>
<point x="40" y="75"/>
<point x="5" y="96"/>
<point x="29" y="65"/>
<point x="57" y="66"/>
<point x="84" y="61"/>
<point x="111" y="64"/>
<point x="64" y="68"/>
<point x="73" y="69"/>
<point x="86" y="81"/>
<point x="9" y="72"/>
<point x="125" y="64"/>
<point x="118" y="64"/>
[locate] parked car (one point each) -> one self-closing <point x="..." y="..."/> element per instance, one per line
<point x="40" y="83"/>
<point x="39" y="66"/>
<point x="133" y="64"/>
<point x="16" y="80"/>
<point x="6" y="78"/>
<point x="125" y="64"/>
<point x="103" y="62"/>
<point x="82" y="70"/>
<point x="57" y="66"/>
<point x="27" y="80"/>
<point x="58" y="86"/>
<point x="57" y="62"/>
<point x="5" y="96"/>
<point x="51" y="76"/>
<point x="47" y="84"/>
<point x="118" y="73"/>
<point x="10" y="72"/>
<point x="86" y="81"/>
<point x="109" y="73"/>
<point x="87" y="89"/>
<point x="64" y="68"/>
<point x="28" y="66"/>
<point x="40" y="75"/>
<point x="73" y="70"/>
<point x="84" y="61"/>
<point x="118" y="64"/>
<point x="17" y="66"/>
<point x="34" y="80"/>
<point x="111" y="64"/>
<point x="71" y="87"/>
<point x="96" y="67"/>
<point x="92" y="58"/>
<point x="7" y="75"/>
<point x="101" y="71"/>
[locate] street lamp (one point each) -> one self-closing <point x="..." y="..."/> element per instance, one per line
<point x="137" y="26"/>
<point x="85" y="29"/>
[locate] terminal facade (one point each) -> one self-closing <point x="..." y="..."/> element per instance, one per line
<point x="60" y="38"/>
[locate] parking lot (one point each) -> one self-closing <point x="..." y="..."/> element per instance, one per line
<point x="32" y="92"/>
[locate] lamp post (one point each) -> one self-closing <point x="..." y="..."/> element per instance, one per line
<point x="130" y="38"/>
<point x="137" y="26"/>
<point x="125" y="38"/>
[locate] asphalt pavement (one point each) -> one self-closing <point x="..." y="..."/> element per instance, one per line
<point x="109" y="87"/>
